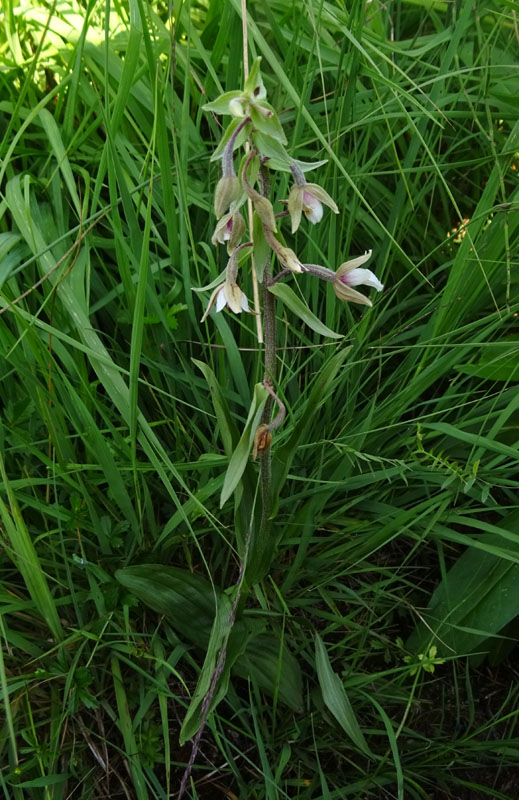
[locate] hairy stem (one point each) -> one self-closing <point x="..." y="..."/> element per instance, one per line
<point x="269" y="332"/>
<point x="269" y="328"/>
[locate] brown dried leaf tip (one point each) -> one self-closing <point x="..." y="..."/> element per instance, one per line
<point x="262" y="440"/>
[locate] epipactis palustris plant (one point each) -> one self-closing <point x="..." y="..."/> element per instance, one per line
<point x="255" y="126"/>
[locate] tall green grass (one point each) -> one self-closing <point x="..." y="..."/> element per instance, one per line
<point x="375" y="658"/>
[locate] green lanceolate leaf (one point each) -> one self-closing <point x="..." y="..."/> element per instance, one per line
<point x="187" y="599"/>
<point x="262" y="250"/>
<point x="271" y="147"/>
<point x="240" y="456"/>
<point x="477" y="598"/>
<point x="199" y="613"/>
<point x="273" y="667"/>
<point x="335" y="698"/>
<point x="228" y="430"/>
<point x="289" y="298"/>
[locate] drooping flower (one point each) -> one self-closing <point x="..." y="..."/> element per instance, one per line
<point x="349" y="275"/>
<point x="227" y="292"/>
<point x="308" y="199"/>
<point x="230" y="295"/>
<point x="230" y="228"/>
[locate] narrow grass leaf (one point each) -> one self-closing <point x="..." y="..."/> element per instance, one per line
<point x="473" y="438"/>
<point x="322" y="386"/>
<point x="25" y="557"/>
<point x="228" y="429"/>
<point x="126" y="728"/>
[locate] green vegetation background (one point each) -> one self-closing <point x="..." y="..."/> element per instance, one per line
<point x="396" y="539"/>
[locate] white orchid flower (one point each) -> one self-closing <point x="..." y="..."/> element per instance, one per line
<point x="351" y="274"/>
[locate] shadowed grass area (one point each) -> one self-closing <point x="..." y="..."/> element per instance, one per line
<point x="376" y="658"/>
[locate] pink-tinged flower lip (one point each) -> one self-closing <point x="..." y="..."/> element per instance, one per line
<point x="307" y="198"/>
<point x="231" y="295"/>
<point x="359" y="277"/>
<point x="228" y="230"/>
<point x="352" y="274"/>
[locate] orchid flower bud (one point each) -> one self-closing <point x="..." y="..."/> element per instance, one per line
<point x="289" y="260"/>
<point x="264" y="210"/>
<point x="227" y="191"/>
<point x="237" y="106"/>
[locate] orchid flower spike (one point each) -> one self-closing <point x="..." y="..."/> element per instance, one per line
<point x="349" y="274"/>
